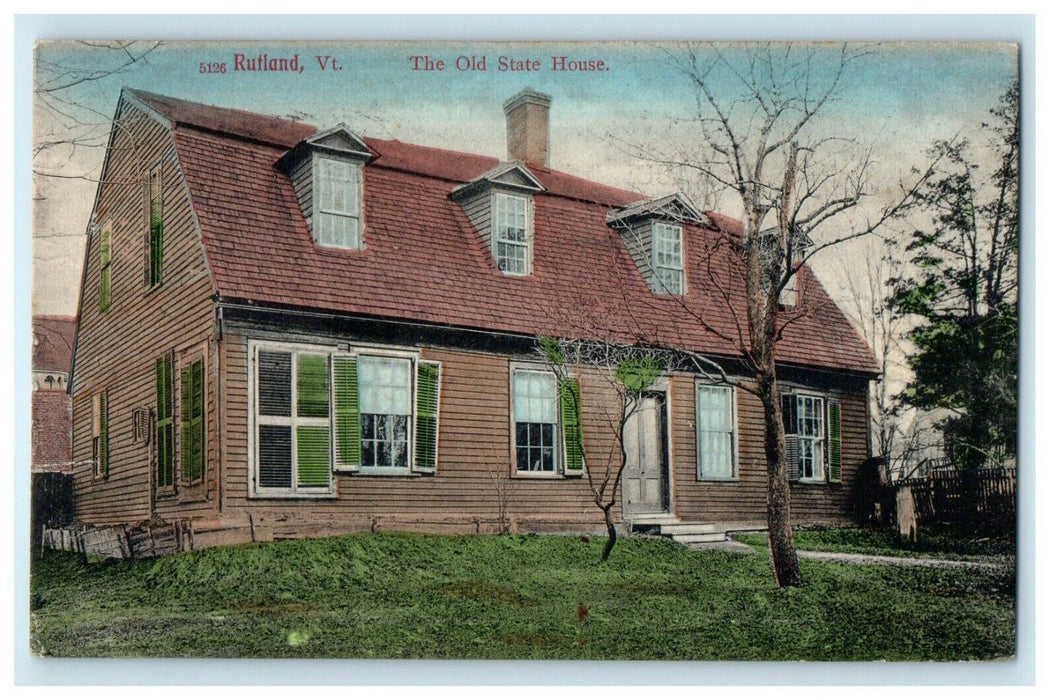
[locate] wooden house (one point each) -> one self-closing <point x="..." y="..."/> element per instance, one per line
<point x="288" y="331"/>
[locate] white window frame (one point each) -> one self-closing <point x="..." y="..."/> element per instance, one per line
<point x="526" y="245"/>
<point x="412" y="359"/>
<point x="559" y="444"/>
<point x="254" y="347"/>
<point x="659" y="228"/>
<point x="256" y="420"/>
<point x="732" y="397"/>
<point x="806" y="440"/>
<point x="319" y="211"/>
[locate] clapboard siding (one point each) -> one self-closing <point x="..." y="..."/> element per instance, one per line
<point x="638" y="238"/>
<point x="745" y="499"/>
<point x="116" y="350"/>
<point x="473" y="454"/>
<point x="478" y="208"/>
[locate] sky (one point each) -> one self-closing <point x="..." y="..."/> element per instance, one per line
<point x="897" y="100"/>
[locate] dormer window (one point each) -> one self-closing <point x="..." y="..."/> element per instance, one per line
<point x="653" y="232"/>
<point x="668" y="259"/>
<point x="338" y="186"/>
<point x="499" y="205"/>
<point x="326" y="171"/>
<point x="512" y="233"/>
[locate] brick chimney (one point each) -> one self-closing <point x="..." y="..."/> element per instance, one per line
<point x="528" y="128"/>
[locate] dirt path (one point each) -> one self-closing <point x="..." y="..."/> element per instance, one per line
<point x="851" y="558"/>
<point x="848" y="558"/>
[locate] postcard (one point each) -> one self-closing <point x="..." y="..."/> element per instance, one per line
<point x="525" y="350"/>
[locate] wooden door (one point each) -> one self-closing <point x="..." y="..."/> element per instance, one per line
<point x="646" y="473"/>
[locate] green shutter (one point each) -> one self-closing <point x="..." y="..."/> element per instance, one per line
<point x="156" y="227"/>
<point x="164" y="434"/>
<point x="313" y="398"/>
<point x="313" y="456"/>
<point x="427" y="409"/>
<point x="346" y="412"/>
<point x="104" y="270"/>
<point x="834" y="440"/>
<point x="185" y="420"/>
<point x="792" y="440"/>
<point x="198" y="398"/>
<point x="572" y="432"/>
<point x="104" y="436"/>
<point x="192" y="403"/>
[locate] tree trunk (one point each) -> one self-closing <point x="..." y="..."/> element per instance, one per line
<point x="612" y="530"/>
<point x="784" y="560"/>
<point x="763" y="334"/>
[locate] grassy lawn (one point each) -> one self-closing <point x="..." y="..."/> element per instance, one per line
<point x="942" y="542"/>
<point x="415" y="596"/>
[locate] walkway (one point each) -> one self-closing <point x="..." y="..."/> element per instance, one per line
<point x="852" y="558"/>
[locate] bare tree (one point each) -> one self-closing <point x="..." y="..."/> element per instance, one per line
<point x="758" y="129"/>
<point x="629" y="371"/>
<point x="883" y="331"/>
<point x="66" y="121"/>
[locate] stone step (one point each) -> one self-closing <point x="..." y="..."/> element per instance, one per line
<point x="654" y="519"/>
<point x="700" y="538"/>
<point x="692" y="529"/>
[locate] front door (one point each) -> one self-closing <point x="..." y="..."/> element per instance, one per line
<point x="646" y="472"/>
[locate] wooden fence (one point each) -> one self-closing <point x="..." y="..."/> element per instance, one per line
<point x="143" y="541"/>
<point x="51" y="503"/>
<point x="952" y="496"/>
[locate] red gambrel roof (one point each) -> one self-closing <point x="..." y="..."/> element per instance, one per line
<point x="424" y="262"/>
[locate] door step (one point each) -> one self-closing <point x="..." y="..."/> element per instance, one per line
<point x="699" y="538"/>
<point x="690" y="533"/>
<point x="655" y="519"/>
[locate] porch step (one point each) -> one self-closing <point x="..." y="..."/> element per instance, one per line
<point x="699" y="538"/>
<point x="690" y="533"/>
<point x="655" y="519"/>
<point x="685" y="529"/>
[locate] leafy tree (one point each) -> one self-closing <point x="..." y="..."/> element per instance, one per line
<point x="962" y="290"/>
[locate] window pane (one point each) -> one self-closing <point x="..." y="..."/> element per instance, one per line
<point x="511" y="217"/>
<point x="535" y="399"/>
<point x="313" y="390"/>
<point x="339" y="184"/>
<point x="512" y="257"/>
<point x="313" y="456"/>
<point x="273" y="383"/>
<point x="547" y="435"/>
<point x="668" y="258"/>
<point x="337" y="230"/>
<point x="715" y="432"/>
<point x="400" y="451"/>
<point x="385" y="385"/>
<point x="274" y="448"/>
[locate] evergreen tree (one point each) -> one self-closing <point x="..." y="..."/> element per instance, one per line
<point x="962" y="291"/>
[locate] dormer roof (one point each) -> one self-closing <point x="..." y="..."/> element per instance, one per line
<point x="674" y="207"/>
<point x="338" y="140"/>
<point x="511" y="175"/>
